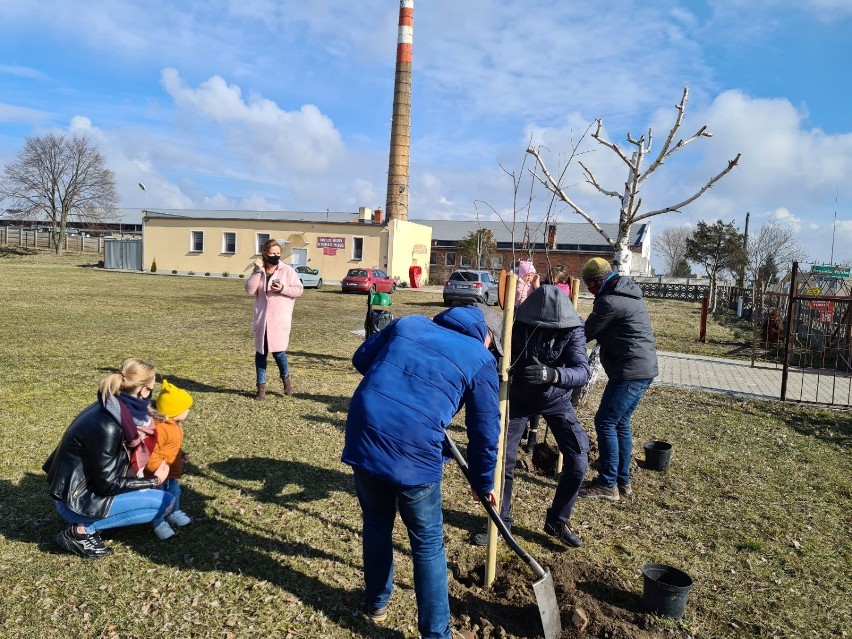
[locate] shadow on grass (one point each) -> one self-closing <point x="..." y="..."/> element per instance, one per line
<point x="829" y="428"/>
<point x="319" y="356"/>
<point x="335" y="403"/>
<point x="27" y="513"/>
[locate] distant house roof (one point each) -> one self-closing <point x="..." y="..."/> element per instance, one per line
<point x="269" y="216"/>
<point x="568" y="234"/>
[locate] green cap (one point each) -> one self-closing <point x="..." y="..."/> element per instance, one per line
<point x="381" y="299"/>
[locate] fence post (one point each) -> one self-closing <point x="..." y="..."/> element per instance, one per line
<point x="788" y="331"/>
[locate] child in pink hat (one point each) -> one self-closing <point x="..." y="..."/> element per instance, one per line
<point x="528" y="281"/>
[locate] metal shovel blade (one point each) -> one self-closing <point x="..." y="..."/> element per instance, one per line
<point x="545" y="596"/>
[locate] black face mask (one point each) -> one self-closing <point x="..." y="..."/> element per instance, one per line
<point x="273" y="259"/>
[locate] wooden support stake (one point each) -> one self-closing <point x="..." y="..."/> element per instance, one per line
<point x="505" y="361"/>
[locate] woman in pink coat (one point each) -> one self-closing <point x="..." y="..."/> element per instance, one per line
<point x="275" y="287"/>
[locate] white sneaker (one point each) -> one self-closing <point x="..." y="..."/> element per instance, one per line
<point x="163" y="530"/>
<point x="178" y="518"/>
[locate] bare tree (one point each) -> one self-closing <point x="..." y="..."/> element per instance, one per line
<point x="59" y="179"/>
<point x="776" y="241"/>
<point x="630" y="200"/>
<point x="671" y="243"/>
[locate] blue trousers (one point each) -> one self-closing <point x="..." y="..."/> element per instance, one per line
<point x="148" y="506"/>
<point x="615" y="434"/>
<point x="260" y="363"/>
<point x="573" y="443"/>
<point x="420" y="510"/>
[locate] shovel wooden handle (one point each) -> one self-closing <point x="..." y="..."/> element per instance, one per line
<point x="493" y="514"/>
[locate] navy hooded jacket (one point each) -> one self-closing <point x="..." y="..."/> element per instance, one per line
<point x="417" y="375"/>
<point x="548" y="330"/>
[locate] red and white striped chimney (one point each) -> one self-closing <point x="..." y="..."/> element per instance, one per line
<point x="400" y="142"/>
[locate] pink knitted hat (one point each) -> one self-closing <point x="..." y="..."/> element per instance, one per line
<point x="525" y="267"/>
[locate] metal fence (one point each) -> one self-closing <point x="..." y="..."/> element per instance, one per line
<point x="806" y="332"/>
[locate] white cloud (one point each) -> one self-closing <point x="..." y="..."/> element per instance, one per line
<point x="304" y="141"/>
<point x="12" y="113"/>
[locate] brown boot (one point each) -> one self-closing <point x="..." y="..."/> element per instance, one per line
<point x="288" y="385"/>
<point x="261" y="392"/>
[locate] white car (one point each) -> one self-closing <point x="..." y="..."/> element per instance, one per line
<point x="309" y="277"/>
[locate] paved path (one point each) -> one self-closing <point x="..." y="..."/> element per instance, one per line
<point x="737" y="377"/>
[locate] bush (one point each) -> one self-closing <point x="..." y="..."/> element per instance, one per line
<point x="207" y="274"/>
<point x="225" y="274"/>
<point x="174" y="271"/>
<point x="191" y="273"/>
<point x="154" y="266"/>
<point x="241" y="276"/>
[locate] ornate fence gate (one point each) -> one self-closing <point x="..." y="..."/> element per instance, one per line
<point x="807" y="332"/>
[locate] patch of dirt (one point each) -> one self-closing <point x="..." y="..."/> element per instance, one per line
<point x="509" y="608"/>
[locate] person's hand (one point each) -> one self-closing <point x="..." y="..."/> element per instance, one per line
<point x="258" y="264"/>
<point x="534" y="279"/>
<point x="276" y="285"/>
<point x="162" y="473"/>
<point x="538" y="373"/>
<point x="489" y="496"/>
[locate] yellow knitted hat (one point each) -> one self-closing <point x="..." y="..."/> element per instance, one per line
<point x="596" y="268"/>
<point x="173" y="400"/>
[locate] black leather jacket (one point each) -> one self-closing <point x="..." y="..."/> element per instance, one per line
<point x="90" y="465"/>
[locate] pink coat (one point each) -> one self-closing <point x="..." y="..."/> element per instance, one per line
<point x="273" y="310"/>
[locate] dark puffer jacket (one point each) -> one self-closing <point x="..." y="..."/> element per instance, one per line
<point x="620" y="322"/>
<point x="90" y="464"/>
<point x="417" y="374"/>
<point x="548" y="329"/>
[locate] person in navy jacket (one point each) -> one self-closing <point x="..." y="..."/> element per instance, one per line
<point x="548" y="361"/>
<point x="418" y="373"/>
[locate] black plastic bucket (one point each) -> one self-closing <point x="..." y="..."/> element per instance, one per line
<point x="665" y="590"/>
<point x="658" y="455"/>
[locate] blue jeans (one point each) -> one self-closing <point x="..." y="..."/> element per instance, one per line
<point x="420" y="510"/>
<point x="260" y="363"/>
<point x="172" y="487"/>
<point x="148" y="506"/>
<point x="612" y="424"/>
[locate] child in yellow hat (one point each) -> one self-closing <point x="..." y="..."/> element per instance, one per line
<point x="167" y="457"/>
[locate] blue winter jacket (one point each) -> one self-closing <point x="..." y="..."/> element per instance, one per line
<point x="417" y="375"/>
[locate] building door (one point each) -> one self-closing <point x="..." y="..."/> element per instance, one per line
<point x="299" y="258"/>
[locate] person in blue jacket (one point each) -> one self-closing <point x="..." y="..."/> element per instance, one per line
<point x="548" y="361"/>
<point x="417" y="375"/>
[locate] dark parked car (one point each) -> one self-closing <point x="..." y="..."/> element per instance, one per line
<point x="367" y="280"/>
<point x="310" y="277"/>
<point x="467" y="287"/>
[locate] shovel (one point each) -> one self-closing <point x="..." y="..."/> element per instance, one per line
<point x="545" y="595"/>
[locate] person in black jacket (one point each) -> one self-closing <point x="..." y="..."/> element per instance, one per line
<point x="92" y="473"/>
<point x="549" y="360"/>
<point x="619" y="321"/>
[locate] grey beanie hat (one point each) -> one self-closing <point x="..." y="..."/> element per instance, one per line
<point x="495" y="325"/>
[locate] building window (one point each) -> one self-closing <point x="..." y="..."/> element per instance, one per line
<point x="229" y="242"/>
<point x="357" y="248"/>
<point x="496" y="262"/>
<point x="451" y="259"/>
<point x="433" y="259"/>
<point x="465" y="261"/>
<point x="262" y="238"/>
<point x="196" y="242"/>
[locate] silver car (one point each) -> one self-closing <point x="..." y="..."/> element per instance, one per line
<point x="467" y="287"/>
<point x="309" y="277"/>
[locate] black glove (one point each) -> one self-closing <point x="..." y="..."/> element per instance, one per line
<point x="538" y="373"/>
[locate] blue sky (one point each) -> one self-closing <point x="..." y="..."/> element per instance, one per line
<point x="285" y="105"/>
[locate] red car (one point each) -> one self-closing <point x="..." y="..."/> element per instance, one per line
<point x="367" y="280"/>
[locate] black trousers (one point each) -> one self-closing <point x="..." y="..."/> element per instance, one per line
<point x="573" y="443"/>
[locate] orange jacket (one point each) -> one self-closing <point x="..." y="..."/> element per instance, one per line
<point x="167" y="449"/>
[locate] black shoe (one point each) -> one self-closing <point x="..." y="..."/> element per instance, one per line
<point x="481" y="538"/>
<point x="563" y="533"/>
<point x="86" y="546"/>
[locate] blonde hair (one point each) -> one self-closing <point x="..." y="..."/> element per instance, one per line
<point x="134" y="374"/>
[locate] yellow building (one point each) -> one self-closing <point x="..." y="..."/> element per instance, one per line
<point x="219" y="242"/>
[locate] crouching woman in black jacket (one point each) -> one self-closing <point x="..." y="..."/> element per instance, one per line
<point x="92" y="473"/>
